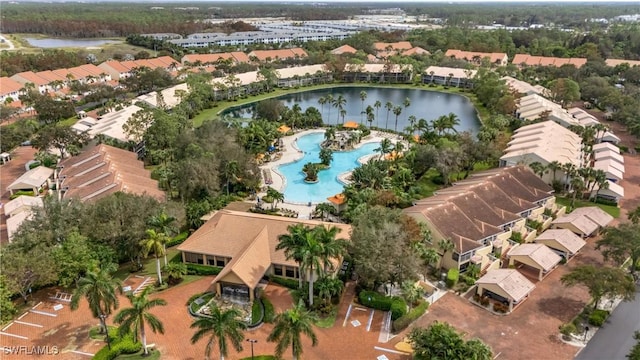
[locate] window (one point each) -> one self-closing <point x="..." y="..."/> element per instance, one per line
<point x="193" y="258"/>
<point x="277" y="270"/>
<point x="290" y="272"/>
<point x="211" y="260"/>
<point x="221" y="262"/>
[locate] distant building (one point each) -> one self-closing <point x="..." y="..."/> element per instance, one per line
<point x="530" y="60"/>
<point x="499" y="59"/>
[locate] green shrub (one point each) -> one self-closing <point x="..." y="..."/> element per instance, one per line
<point x="500" y="308"/>
<point x="198" y="269"/>
<point x="568" y="329"/>
<point x="606" y="202"/>
<point x="623" y="149"/>
<point x="269" y="310"/>
<point x="119" y="345"/>
<point x="20" y="193"/>
<point x="452" y="277"/>
<point x="484" y="301"/>
<point x="598" y="317"/>
<point x="178" y="239"/>
<point x="413" y="315"/>
<point x="398" y="308"/>
<point x="468" y="280"/>
<point x="288" y="283"/>
<point x="516" y="236"/>
<point x="375" y="300"/>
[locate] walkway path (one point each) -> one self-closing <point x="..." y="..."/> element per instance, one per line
<point x="7" y="42"/>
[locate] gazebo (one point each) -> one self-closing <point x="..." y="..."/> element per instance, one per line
<point x="284" y="129"/>
<point x="350" y="125"/>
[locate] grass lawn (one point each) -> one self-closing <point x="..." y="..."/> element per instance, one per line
<point x="426" y="186"/>
<point x="329" y="320"/>
<point x="212" y="113"/>
<point x="610" y="209"/>
<point x="149" y="268"/>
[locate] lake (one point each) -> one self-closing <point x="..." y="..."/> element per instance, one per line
<point x="425" y="104"/>
<point x="62" y="43"/>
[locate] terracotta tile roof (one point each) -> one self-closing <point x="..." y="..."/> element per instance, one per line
<point x="565" y="238"/>
<point x="478" y="210"/>
<point x="93" y="70"/>
<point x="115" y="65"/>
<point x="514" y="284"/>
<point x="249" y="264"/>
<point x="51" y="76"/>
<point x="416" y="51"/>
<point x="528" y="60"/>
<point x="344" y="49"/>
<point x="263" y="55"/>
<point x="8" y="86"/>
<point x="540" y="254"/>
<point x="337" y="199"/>
<point x="228" y="233"/>
<point x="400" y="45"/>
<point x="616" y="62"/>
<point x="62" y="73"/>
<point x="472" y="55"/>
<point x="103" y="170"/>
<point x="30" y="76"/>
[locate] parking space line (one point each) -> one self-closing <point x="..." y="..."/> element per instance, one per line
<point x="346" y="316"/>
<point x="38" y="304"/>
<point x="14" y="335"/>
<point x="43" y="313"/>
<point x="23" y="315"/>
<point x="390" y="350"/>
<point x="6" y="327"/>
<point x="28" y="324"/>
<point x="370" y="320"/>
<point x="81" y="353"/>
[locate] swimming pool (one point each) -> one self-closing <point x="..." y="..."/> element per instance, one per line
<point x="297" y="190"/>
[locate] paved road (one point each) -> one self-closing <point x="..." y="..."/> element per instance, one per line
<point x="615" y="338"/>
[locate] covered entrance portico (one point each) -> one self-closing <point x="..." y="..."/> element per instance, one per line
<point x="235" y="292"/>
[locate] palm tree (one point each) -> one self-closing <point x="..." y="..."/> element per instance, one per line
<point x="292" y="244"/>
<point x="538" y="168"/>
<point x="322" y="100"/>
<point x="411" y="292"/>
<point x="339" y="103"/>
<point x="445" y="246"/>
<point x="343" y="112"/>
<point x="138" y="314"/>
<point x="324" y="208"/>
<point x="406" y="103"/>
<point x="397" y="111"/>
<point x="363" y="97"/>
<point x="332" y="248"/>
<point x="451" y="122"/>
<point x="554" y="166"/>
<point x="370" y="116"/>
<point x="330" y="133"/>
<point x="220" y="325"/>
<point x="389" y="107"/>
<point x="163" y="223"/>
<point x="231" y="170"/>
<point x="385" y="147"/>
<point x="312" y="257"/>
<point x="602" y="183"/>
<point x="275" y="195"/>
<point x="155" y="242"/>
<point x="99" y="288"/>
<point x="377" y="105"/>
<point x="288" y="329"/>
<point x="577" y="184"/>
<point x="328" y="287"/>
<point x="329" y="101"/>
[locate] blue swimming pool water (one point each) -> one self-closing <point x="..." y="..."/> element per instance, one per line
<point x="328" y="185"/>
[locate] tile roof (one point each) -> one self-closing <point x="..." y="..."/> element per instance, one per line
<point x="400" y="45"/>
<point x="529" y="60"/>
<point x="472" y="55"/>
<point x="22" y="201"/>
<point x="29" y="76"/>
<point x="229" y="233"/>
<point x="514" y="284"/>
<point x="263" y="55"/>
<point x="616" y="62"/>
<point x="416" y="51"/>
<point x="595" y="214"/>
<point x="344" y="49"/>
<point x="447" y="71"/>
<point x="103" y="170"/>
<point x="604" y="146"/>
<point x="582" y="223"/>
<point x="565" y="238"/>
<point x="540" y="254"/>
<point x="8" y="86"/>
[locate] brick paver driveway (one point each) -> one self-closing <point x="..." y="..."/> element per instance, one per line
<point x="531" y="331"/>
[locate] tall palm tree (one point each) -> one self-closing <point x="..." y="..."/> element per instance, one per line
<point x="222" y="326"/>
<point x="323" y="208"/>
<point x="370" y="115"/>
<point x="538" y="168"/>
<point x="138" y="314"/>
<point x="377" y="105"/>
<point x="332" y="247"/>
<point x="445" y="246"/>
<point x="329" y="101"/>
<point x="311" y="257"/>
<point x="577" y="184"/>
<point x="339" y="104"/>
<point x="363" y="97"/>
<point x="452" y="121"/>
<point x="288" y="329"/>
<point x="406" y="103"/>
<point x="165" y="224"/>
<point x="276" y="195"/>
<point x="292" y="244"/>
<point x="155" y="243"/>
<point x="322" y="100"/>
<point x="389" y="107"/>
<point x="397" y="111"/>
<point x="554" y="166"/>
<point x="99" y="288"/>
<point x="343" y="113"/>
<point x="231" y="171"/>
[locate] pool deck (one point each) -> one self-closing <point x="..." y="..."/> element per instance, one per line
<point x="291" y="153"/>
